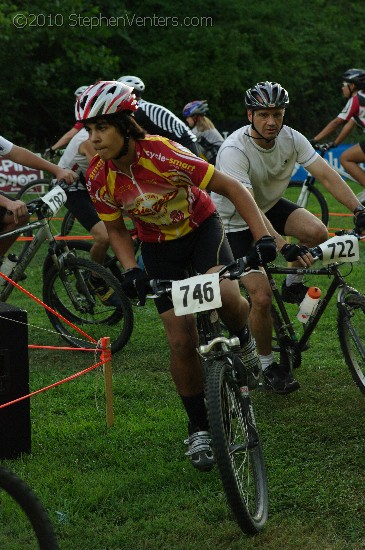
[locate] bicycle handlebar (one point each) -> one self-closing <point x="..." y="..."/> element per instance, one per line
<point x="50" y="202"/>
<point x="322" y="148"/>
<point x="234" y="270"/>
<point x="317" y="252"/>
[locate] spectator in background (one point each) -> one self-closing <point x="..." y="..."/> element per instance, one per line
<point x="156" y="119"/>
<point x="353" y="89"/>
<point x="209" y="139"/>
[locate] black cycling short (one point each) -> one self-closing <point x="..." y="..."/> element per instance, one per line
<point x="81" y="206"/>
<point x="203" y="248"/>
<point x="242" y="241"/>
<point x="362" y="146"/>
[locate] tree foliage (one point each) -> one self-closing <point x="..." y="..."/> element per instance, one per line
<point x="182" y="50"/>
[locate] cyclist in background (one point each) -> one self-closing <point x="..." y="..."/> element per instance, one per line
<point x="14" y="213"/>
<point x="65" y="139"/>
<point x="262" y="156"/>
<point x="163" y="187"/>
<point x="353" y="89"/>
<point x="77" y="157"/>
<point x="209" y="139"/>
<point x="156" y="119"/>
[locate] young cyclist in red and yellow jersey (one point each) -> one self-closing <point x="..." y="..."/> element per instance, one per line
<point x="163" y="187"/>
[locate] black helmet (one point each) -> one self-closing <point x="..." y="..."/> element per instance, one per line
<point x="266" y="95"/>
<point x="355" y="76"/>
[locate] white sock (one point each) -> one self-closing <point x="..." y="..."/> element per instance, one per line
<point x="292" y="279"/>
<point x="266" y="360"/>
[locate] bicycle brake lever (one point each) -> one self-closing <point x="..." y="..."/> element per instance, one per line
<point x="316" y="252"/>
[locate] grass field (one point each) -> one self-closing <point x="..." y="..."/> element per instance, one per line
<point x="131" y="487"/>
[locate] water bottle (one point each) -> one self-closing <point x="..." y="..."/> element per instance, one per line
<point x="309" y="304"/>
<point x="7" y="266"/>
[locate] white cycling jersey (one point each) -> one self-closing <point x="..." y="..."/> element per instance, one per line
<point x="355" y="108"/>
<point x="74" y="160"/>
<point x="71" y="157"/>
<point x="5" y="146"/>
<point x="266" y="171"/>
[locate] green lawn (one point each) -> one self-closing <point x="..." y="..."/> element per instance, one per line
<point x="131" y="487"/>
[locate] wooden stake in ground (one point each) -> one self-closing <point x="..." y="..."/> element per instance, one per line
<point x="106" y="356"/>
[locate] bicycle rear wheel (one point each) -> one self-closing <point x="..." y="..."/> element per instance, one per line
<point x="316" y="203"/>
<point x="71" y="226"/>
<point x="21" y="512"/>
<point x="68" y="292"/>
<point x="237" y="448"/>
<point x="33" y="190"/>
<point x="351" y="331"/>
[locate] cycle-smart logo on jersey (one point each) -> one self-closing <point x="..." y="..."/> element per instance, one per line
<point x="22" y="20"/>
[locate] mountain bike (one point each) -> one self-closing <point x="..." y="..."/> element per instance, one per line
<point x="307" y="195"/>
<point x="336" y="252"/>
<point x="67" y="283"/>
<point x="235" y="438"/>
<point x="21" y="507"/>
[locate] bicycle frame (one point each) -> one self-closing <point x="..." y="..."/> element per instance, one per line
<point x="308" y="187"/>
<point x="308" y="184"/>
<point x="44" y="233"/>
<point x="287" y="326"/>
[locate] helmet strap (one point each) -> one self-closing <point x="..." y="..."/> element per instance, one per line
<point x="261" y="136"/>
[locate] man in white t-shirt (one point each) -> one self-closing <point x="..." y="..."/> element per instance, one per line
<point x="262" y="156"/>
<point x="14" y="213"/>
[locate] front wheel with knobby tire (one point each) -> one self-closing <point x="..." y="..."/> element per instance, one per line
<point x="351" y="331"/>
<point x="237" y="448"/>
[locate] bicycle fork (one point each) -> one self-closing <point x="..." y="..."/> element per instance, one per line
<point x="218" y="346"/>
<point x="58" y="252"/>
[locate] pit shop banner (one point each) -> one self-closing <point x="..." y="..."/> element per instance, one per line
<point x="14" y="176"/>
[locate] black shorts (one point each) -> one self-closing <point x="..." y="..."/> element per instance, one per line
<point x="81" y="206"/>
<point x="203" y="248"/>
<point x="242" y="241"/>
<point x="362" y="146"/>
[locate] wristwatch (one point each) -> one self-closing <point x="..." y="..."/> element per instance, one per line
<point x="358" y="209"/>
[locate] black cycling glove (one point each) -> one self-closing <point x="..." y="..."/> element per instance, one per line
<point x="263" y="251"/>
<point x="359" y="221"/>
<point x="292" y="251"/>
<point x="135" y="284"/>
